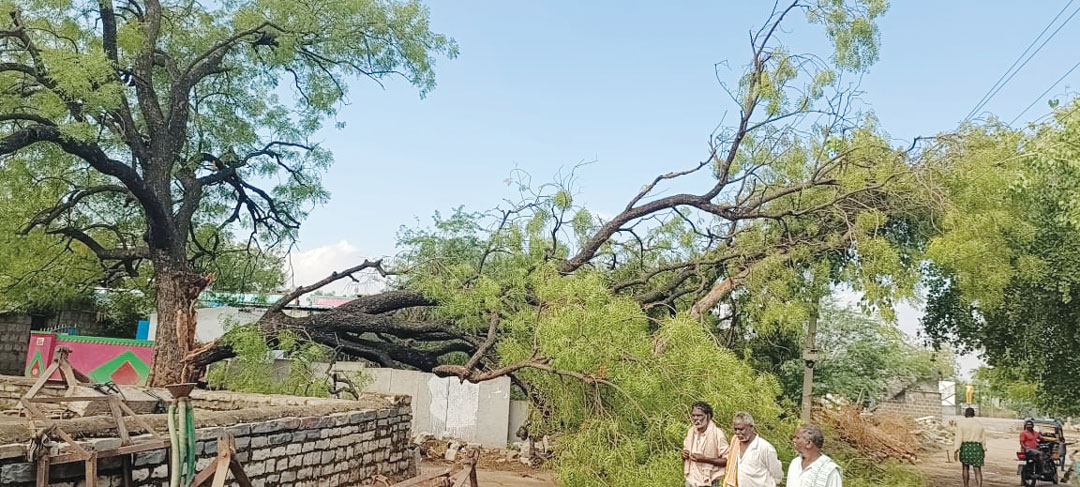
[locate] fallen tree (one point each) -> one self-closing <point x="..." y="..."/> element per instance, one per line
<point x="614" y="326"/>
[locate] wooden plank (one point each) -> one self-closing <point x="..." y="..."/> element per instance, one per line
<point x="155" y="444"/>
<point x="71" y="441"/>
<point x="42" y="476"/>
<point x="423" y="478"/>
<point x="126" y="480"/>
<point x="91" y="471"/>
<point x="42" y="379"/>
<point x="238" y="473"/>
<point x="205" y="474"/>
<point x="68" y="375"/>
<point x="222" y="471"/>
<point x="61" y="400"/>
<point x="118" y="415"/>
<point x="139" y="420"/>
<point x="461" y="478"/>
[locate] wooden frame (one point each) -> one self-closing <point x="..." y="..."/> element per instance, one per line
<point x="76" y="453"/>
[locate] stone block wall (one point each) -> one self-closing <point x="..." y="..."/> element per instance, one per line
<point x="342" y="448"/>
<point x="14" y="338"/>
<point x="913" y="402"/>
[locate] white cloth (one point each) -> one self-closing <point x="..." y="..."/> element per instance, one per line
<point x="758" y="466"/>
<point x="823" y="472"/>
<point x="713" y="444"/>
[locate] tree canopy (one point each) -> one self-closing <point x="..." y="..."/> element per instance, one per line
<point x="168" y="127"/>
<point x="1005" y="268"/>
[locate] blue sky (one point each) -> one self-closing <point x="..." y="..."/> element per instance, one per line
<point x="541" y="86"/>
<point x="630" y="85"/>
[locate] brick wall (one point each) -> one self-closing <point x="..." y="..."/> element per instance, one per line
<point x="913" y="402"/>
<point x="335" y="449"/>
<point x="14" y="338"/>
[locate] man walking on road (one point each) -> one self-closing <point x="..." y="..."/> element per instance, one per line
<point x="751" y="461"/>
<point x="970" y="444"/>
<point x="812" y="468"/>
<point x="703" y="449"/>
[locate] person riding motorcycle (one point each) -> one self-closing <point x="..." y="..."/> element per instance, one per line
<point x="1029" y="442"/>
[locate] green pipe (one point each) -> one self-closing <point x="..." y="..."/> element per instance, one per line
<point x="192" y="457"/>
<point x="174" y="450"/>
<point x="181" y="426"/>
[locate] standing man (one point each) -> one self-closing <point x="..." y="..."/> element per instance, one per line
<point x="812" y="468"/>
<point x="970" y="445"/>
<point x="703" y="449"/>
<point x="752" y="461"/>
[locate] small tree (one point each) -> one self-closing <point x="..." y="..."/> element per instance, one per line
<point x="166" y="127"/>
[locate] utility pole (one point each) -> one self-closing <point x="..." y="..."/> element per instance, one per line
<point x="810" y="357"/>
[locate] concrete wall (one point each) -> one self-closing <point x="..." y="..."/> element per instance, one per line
<point x="14" y="338"/>
<point x="448" y="407"/>
<point x="519" y="412"/>
<point x="338" y="448"/>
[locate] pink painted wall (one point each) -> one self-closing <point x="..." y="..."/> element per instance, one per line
<point x="329" y="301"/>
<point x="120" y="360"/>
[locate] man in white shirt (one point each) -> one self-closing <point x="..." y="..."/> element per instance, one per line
<point x="752" y="461"/>
<point x="812" y="468"/>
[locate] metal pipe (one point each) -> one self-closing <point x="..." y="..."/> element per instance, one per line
<point x="174" y="447"/>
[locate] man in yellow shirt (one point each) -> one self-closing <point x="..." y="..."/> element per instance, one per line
<point x="970" y="444"/>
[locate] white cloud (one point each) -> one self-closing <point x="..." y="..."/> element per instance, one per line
<point x="309" y="266"/>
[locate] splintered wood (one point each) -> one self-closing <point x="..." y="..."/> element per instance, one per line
<point x="460" y="475"/>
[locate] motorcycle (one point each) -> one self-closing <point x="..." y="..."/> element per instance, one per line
<point x="1051" y="455"/>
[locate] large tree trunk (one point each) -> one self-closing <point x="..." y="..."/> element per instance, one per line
<point x="178" y="288"/>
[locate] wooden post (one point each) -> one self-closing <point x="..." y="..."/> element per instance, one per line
<point x="91" y="470"/>
<point x="43" y="471"/>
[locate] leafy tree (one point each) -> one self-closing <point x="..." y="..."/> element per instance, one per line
<point x="1006" y="269"/>
<point x="157" y="120"/>
<point x="613" y="327"/>
<point x="862" y="357"/>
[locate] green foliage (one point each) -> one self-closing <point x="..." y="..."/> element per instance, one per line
<point x="122" y="311"/>
<point x="860" y="471"/>
<point x="254" y="369"/>
<point x="862" y="356"/>
<point x="1006" y="385"/>
<point x="1006" y="268"/>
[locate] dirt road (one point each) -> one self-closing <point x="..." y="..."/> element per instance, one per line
<point x="999" y="469"/>
<point x="496" y="478"/>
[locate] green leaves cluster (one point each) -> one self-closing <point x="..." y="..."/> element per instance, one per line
<point x="862" y="357"/>
<point x="622" y="413"/>
<point x="293" y="366"/>
<point x="1006" y="271"/>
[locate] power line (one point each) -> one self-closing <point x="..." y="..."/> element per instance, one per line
<point x="1040" y="97"/>
<point x="999" y="84"/>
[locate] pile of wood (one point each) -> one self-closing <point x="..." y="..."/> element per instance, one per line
<point x="875" y="436"/>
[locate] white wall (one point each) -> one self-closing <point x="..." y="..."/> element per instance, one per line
<point x="210" y="322"/>
<point x="448" y="407"/>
